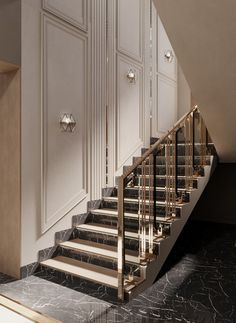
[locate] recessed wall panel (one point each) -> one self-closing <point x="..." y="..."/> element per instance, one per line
<point x="167" y="114"/>
<point x="72" y="11"/>
<point x="64" y="91"/>
<point x="129" y="110"/>
<point x="130" y="28"/>
<point x="163" y="47"/>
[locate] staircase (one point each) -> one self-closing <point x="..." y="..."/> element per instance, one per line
<point x="117" y="249"/>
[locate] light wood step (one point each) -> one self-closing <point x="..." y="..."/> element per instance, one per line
<point x="83" y="270"/>
<point x="99" y="249"/>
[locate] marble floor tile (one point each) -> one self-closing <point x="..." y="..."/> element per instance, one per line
<point x="196" y="285"/>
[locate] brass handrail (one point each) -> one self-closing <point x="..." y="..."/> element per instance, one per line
<point x="171" y="178"/>
<point x="156" y="145"/>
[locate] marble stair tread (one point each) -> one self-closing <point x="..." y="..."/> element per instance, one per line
<point x="106" y="229"/>
<point x="99" y="249"/>
<point x="84" y="270"/>
<point x="114" y="213"/>
<point x="134" y="200"/>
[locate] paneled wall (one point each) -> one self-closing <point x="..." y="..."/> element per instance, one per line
<point x="164" y="98"/>
<point x="62" y="66"/>
<point x="128" y="100"/>
<point x="65" y="70"/>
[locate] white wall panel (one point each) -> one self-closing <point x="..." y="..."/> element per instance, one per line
<point x="130" y="28"/>
<point x="167" y="110"/>
<point x="129" y="110"/>
<point x="73" y="11"/>
<point x="163" y="45"/>
<point x="64" y="91"/>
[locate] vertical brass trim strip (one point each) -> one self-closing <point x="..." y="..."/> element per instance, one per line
<point x="121" y="242"/>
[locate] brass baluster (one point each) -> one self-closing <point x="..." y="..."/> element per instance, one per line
<point x="191" y="151"/>
<point x="167" y="186"/>
<point x="143" y="214"/>
<point x="151" y="203"/>
<point x="120" y="242"/>
<point x="186" y="148"/>
<point x="203" y="142"/>
<point x="173" y="186"/>
<point x="140" y="179"/>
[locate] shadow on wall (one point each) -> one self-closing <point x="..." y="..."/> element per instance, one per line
<point x="218" y="202"/>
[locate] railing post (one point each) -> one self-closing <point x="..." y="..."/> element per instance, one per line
<point x="151" y="203"/>
<point x="121" y="240"/>
<point x="176" y="163"/>
<point x="191" y="150"/>
<point x="203" y="142"/>
<point x="173" y="173"/>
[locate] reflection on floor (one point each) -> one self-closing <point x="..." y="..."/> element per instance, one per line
<point x="197" y="284"/>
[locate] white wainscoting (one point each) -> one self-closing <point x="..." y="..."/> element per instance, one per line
<point x="164" y="80"/>
<point x="164" y="45"/>
<point x="130" y="121"/>
<point x="167" y="108"/>
<point x="130" y="28"/>
<point x="72" y="11"/>
<point x="64" y="65"/>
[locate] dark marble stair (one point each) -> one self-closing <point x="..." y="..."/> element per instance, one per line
<point x="87" y="261"/>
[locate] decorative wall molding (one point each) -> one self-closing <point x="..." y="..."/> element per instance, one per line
<point x="141" y="61"/>
<point x="164" y="74"/>
<point x="69" y="13"/>
<point x="167" y="104"/>
<point x="50" y="26"/>
<point x="129" y="113"/>
<point x="138" y="29"/>
<point x="98" y="98"/>
<point x="164" y="45"/>
<point x="111" y="90"/>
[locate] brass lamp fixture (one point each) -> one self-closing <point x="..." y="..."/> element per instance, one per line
<point x="67" y="122"/>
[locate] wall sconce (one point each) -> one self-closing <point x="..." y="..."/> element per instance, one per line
<point x="131" y="76"/>
<point x="67" y="122"/>
<point x="169" y="56"/>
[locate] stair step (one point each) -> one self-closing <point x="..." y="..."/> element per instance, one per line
<point x="133" y="200"/>
<point x="114" y="213"/>
<point x="99" y="249"/>
<point x="161" y="189"/>
<point x="83" y="270"/>
<point x="105" y="229"/>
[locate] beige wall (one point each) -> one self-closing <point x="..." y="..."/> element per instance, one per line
<point x="10" y="23"/>
<point x="203" y="36"/>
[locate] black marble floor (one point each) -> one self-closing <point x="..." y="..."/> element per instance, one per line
<point x="197" y="284"/>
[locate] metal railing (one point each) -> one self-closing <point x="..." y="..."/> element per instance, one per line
<point x="187" y="138"/>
